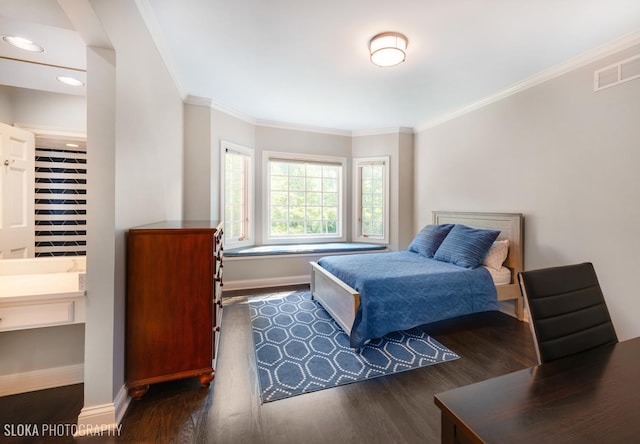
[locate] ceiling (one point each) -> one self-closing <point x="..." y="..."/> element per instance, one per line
<point x="307" y="63"/>
<point x="44" y="22"/>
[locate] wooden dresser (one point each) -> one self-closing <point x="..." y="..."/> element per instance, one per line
<point x="174" y="302"/>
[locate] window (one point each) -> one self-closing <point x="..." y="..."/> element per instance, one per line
<point x="371" y="199"/>
<point x="304" y="198"/>
<point x="237" y="196"/>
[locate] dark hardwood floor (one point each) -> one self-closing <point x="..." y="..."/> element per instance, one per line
<point x="391" y="409"/>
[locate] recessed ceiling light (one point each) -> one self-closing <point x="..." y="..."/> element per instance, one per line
<point x="72" y="145"/>
<point x="22" y="43"/>
<point x="71" y="81"/>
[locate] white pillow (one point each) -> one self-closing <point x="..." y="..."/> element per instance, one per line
<point x="497" y="254"/>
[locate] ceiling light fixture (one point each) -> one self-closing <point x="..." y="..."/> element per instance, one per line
<point x="71" y="81"/>
<point x="22" y="43"/>
<point x="388" y="48"/>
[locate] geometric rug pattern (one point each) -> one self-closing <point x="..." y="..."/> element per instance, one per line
<point x="300" y="349"/>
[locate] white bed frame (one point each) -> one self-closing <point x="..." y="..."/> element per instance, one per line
<point x="342" y="301"/>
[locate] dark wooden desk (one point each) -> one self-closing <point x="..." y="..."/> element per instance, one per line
<point x="589" y="397"/>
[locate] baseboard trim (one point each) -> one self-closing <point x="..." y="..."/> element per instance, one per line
<point x="41" y="379"/>
<point x="103" y="418"/>
<point x="248" y="284"/>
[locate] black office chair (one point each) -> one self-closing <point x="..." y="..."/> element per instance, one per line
<point x="567" y="311"/>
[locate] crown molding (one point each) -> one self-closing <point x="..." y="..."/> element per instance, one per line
<point x="382" y="131"/>
<point x="208" y="103"/>
<point x="572" y="64"/>
<point x="197" y="101"/>
<point x="306" y="128"/>
<point x="234" y="113"/>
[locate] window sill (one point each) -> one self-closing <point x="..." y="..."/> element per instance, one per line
<point x="276" y="250"/>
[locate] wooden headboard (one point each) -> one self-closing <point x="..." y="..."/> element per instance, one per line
<point x="511" y="226"/>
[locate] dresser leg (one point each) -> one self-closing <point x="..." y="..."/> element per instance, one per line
<point x="205" y="379"/>
<point x="138" y="392"/>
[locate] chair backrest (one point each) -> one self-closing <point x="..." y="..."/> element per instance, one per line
<point x="567" y="311"/>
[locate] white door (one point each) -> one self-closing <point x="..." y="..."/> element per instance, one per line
<point x="17" y="167"/>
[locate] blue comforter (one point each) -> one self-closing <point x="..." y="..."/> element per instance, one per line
<point x="402" y="290"/>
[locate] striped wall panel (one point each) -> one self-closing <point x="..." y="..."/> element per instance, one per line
<point x="60" y="202"/>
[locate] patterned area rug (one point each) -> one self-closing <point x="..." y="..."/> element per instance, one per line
<point x="300" y="349"/>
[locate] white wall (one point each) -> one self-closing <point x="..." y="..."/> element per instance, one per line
<point x="48" y="110"/>
<point x="197" y="159"/>
<point x="204" y="129"/>
<point x="135" y="132"/>
<point x="6" y="107"/>
<point x="406" y="186"/>
<point x="566" y="157"/>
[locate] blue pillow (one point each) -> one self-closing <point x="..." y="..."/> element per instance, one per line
<point x="429" y="239"/>
<point x="466" y="246"/>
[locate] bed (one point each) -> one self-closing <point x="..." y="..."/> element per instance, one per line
<point x="357" y="304"/>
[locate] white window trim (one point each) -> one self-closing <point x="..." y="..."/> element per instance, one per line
<point x="224" y="146"/>
<point x="266" y="189"/>
<point x="357" y="201"/>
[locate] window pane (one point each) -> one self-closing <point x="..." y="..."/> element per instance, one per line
<point x="278" y="228"/>
<point x="314" y="170"/>
<point x="331" y="171"/>
<point x="296" y="183"/>
<point x="372" y="212"/>
<point x="296" y="213"/>
<point x="296" y="227"/>
<point x="279" y="183"/>
<point x="236" y="195"/>
<point x="279" y="168"/>
<point x="314" y="199"/>
<point x="330" y="199"/>
<point x="331" y="227"/>
<point x="314" y="213"/>
<point x="330" y="213"/>
<point x="279" y="198"/>
<point x="303" y="198"/>
<point x="314" y="184"/>
<point x="297" y="169"/>
<point x="279" y="213"/>
<point x="236" y="229"/>
<point x="297" y="198"/>
<point x="314" y="227"/>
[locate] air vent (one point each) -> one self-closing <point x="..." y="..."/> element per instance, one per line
<point x="617" y="73"/>
<point x="630" y="70"/>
